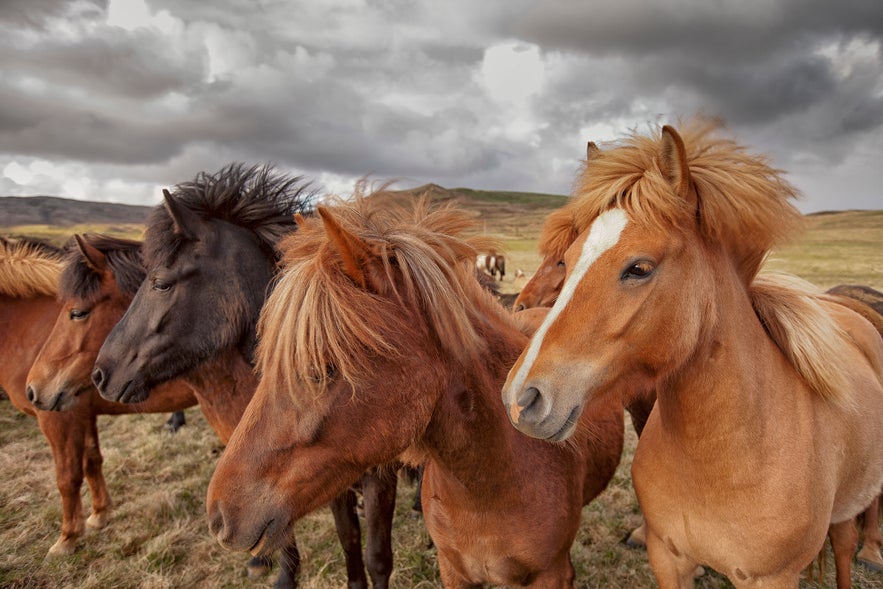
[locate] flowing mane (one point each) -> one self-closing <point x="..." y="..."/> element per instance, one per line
<point x="743" y="202"/>
<point x="81" y="280"/>
<point x="257" y="198"/>
<point x="319" y="320"/>
<point x="29" y="267"/>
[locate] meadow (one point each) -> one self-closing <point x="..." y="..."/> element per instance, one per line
<point x="158" y="536"/>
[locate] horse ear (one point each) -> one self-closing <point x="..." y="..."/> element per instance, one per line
<point x="184" y="220"/>
<point x="673" y="161"/>
<point x="93" y="257"/>
<point x="592" y="150"/>
<point x="355" y="253"/>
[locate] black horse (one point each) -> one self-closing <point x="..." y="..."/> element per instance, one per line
<point x="210" y="252"/>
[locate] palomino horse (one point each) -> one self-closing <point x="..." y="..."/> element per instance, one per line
<point x="560" y="230"/>
<point x="210" y="255"/>
<point x="378" y="341"/>
<point x="769" y="398"/>
<point x="29" y="278"/>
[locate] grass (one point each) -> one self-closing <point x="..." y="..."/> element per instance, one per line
<point x="158" y="536"/>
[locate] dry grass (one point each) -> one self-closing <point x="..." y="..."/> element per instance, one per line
<point x="158" y="535"/>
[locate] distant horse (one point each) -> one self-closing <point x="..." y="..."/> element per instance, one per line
<point x="29" y="278"/>
<point x="378" y="341"/>
<point x="210" y="255"/>
<point x="492" y="263"/>
<point x="769" y="398"/>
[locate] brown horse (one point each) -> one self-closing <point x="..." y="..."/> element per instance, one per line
<point x="29" y="278"/>
<point x="560" y="230"/>
<point x="769" y="397"/>
<point x="378" y="341"/>
<point x="211" y="256"/>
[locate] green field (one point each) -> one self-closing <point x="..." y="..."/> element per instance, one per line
<point x="158" y="535"/>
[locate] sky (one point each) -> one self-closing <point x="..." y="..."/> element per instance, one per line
<point x="113" y="100"/>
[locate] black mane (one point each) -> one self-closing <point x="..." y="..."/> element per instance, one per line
<point x="256" y="198"/>
<point x="80" y="280"/>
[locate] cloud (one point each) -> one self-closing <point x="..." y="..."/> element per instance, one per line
<point x="501" y="94"/>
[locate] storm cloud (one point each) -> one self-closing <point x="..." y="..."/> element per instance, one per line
<point x="115" y="100"/>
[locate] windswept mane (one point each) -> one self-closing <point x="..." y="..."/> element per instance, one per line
<point x="744" y="204"/>
<point x="792" y="313"/>
<point x="558" y="232"/>
<point x="123" y="257"/>
<point x="318" y="323"/>
<point x="29" y="267"/>
<point x="257" y="198"/>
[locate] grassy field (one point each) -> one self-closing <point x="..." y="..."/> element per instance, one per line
<point x="158" y="535"/>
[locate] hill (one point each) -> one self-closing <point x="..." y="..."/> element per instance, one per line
<point x="51" y="210"/>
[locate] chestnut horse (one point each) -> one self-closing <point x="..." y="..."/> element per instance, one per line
<point x="29" y="278"/>
<point x="560" y="230"/>
<point x="769" y="397"/>
<point x="378" y="341"/>
<point x="210" y="255"/>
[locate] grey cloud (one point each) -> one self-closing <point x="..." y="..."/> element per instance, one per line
<point x="36" y="14"/>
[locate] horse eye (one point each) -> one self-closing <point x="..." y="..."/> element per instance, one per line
<point x="560" y="263"/>
<point x="638" y="270"/>
<point x="78" y="314"/>
<point x="161" y="285"/>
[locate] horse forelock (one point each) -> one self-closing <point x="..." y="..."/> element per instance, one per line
<point x="743" y="203"/>
<point x="29" y="267"/>
<point x="257" y="198"/>
<point x="123" y="257"/>
<point x="317" y="319"/>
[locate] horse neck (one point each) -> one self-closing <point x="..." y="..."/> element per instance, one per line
<point x="26" y="323"/>
<point x="223" y="386"/>
<point x="730" y="391"/>
<point x="470" y="439"/>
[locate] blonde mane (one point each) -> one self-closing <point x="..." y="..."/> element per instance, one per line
<point x="29" y="268"/>
<point x="744" y="204"/>
<point x="318" y="324"/>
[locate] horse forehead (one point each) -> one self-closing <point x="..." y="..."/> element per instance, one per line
<point x="602" y="235"/>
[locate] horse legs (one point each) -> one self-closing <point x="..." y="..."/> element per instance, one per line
<point x="343" y="507"/>
<point x="379" y="491"/>
<point x="844" y="541"/>
<point x="66" y="438"/>
<point x="869" y="556"/>
<point x="92" y="462"/>
<point x="176" y="421"/>
<point x="672" y="569"/>
<point x="289" y="567"/>
<point x="639" y="411"/>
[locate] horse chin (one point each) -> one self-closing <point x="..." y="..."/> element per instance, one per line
<point x="134" y="391"/>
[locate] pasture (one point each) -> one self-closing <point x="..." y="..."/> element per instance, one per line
<point x="158" y="535"/>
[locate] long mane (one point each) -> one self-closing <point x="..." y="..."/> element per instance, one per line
<point x="123" y="256"/>
<point x="744" y="203"/>
<point x="317" y="321"/>
<point x="257" y="198"/>
<point x="29" y="267"/>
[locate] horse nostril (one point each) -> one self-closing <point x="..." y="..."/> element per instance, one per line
<point x="532" y="405"/>
<point x="31" y="394"/>
<point x="98" y="378"/>
<point x="520" y="307"/>
<point x="215" y="519"/>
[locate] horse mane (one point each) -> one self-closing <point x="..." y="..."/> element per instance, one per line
<point x="29" y="267"/>
<point x="743" y="203"/>
<point x="791" y="311"/>
<point x="81" y="280"/>
<point x="558" y="232"/>
<point x="257" y="198"/>
<point x="317" y="323"/>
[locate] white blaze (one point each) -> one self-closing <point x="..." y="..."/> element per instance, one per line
<point x="603" y="235"/>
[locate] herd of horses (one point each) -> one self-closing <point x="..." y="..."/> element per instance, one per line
<point x="329" y="346"/>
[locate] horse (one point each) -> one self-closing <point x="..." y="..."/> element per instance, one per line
<point x="769" y="396"/>
<point x="561" y="228"/>
<point x="492" y="263"/>
<point x="30" y="271"/>
<point x="379" y="342"/>
<point x="210" y="256"/>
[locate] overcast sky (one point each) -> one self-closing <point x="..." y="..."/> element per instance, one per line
<point x="116" y="99"/>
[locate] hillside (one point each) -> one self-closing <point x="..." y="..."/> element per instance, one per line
<point x="50" y="210"/>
